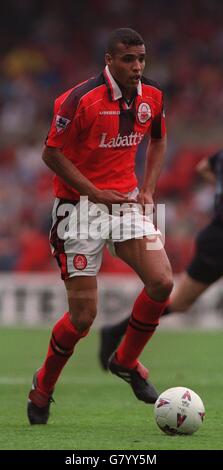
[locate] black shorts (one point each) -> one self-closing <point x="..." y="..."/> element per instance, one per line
<point x="207" y="263"/>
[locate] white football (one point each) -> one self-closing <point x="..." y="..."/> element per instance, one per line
<point x="179" y="410"/>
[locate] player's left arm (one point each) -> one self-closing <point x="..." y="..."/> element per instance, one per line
<point x="154" y="161"/>
<point x="206" y="170"/>
<point x="155" y="153"/>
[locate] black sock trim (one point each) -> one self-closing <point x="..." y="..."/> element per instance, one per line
<point x="143" y="330"/>
<point x="66" y="350"/>
<point x="58" y="353"/>
<point x="58" y="349"/>
<point x="141" y="323"/>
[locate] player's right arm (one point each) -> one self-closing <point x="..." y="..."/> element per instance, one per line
<point x="68" y="123"/>
<point x="66" y="170"/>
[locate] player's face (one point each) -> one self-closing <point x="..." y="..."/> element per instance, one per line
<point x="127" y="65"/>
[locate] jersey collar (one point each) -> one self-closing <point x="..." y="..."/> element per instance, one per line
<point x="113" y="87"/>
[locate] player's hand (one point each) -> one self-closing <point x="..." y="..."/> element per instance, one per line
<point x="145" y="199"/>
<point x="110" y="196"/>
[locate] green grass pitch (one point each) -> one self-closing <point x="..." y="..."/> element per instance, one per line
<point x="96" y="410"/>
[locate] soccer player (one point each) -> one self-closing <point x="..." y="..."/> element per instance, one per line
<point x="205" y="268"/>
<point x="91" y="148"/>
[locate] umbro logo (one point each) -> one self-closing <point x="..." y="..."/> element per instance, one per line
<point x="110" y="113"/>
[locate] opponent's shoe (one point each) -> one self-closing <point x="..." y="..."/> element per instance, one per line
<point x="108" y="344"/>
<point x="38" y="407"/>
<point x="137" y="378"/>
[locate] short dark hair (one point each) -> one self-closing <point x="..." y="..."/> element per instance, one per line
<point x="126" y="36"/>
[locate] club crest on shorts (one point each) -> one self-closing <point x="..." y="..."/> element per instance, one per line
<point x="144" y="113"/>
<point x="80" y="262"/>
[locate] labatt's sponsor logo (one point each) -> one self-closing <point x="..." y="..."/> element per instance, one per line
<point x="120" y="141"/>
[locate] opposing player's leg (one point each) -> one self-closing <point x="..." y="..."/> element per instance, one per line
<point x="186" y="293"/>
<point x="205" y="268"/>
<point x="154" y="269"/>
<point x="68" y="330"/>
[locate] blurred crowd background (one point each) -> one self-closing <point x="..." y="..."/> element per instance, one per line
<point x="47" y="47"/>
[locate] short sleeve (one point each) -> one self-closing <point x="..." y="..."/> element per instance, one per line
<point x="65" y="124"/>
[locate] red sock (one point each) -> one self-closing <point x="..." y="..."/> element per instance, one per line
<point x="61" y="347"/>
<point x="142" y="324"/>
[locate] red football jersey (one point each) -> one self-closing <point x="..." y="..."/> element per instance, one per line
<point x="95" y="128"/>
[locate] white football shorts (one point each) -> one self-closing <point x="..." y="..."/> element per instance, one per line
<point x="80" y="230"/>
